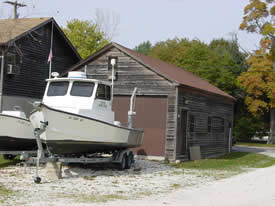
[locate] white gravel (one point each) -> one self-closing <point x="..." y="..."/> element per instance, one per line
<point x="155" y="184"/>
<point x="88" y="186"/>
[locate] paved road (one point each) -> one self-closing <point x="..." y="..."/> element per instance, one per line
<point x="255" y="188"/>
<point x="260" y="150"/>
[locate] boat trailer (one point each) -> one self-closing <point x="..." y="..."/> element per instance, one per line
<point x="123" y="158"/>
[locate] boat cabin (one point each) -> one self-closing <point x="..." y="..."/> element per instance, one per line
<point x="79" y="95"/>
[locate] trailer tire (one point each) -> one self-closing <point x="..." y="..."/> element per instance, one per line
<point x="9" y="156"/>
<point x="129" y="161"/>
<point x="37" y="180"/>
<point x="123" y="163"/>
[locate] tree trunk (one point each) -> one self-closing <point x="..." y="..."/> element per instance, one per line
<point x="272" y="109"/>
<point x="272" y="126"/>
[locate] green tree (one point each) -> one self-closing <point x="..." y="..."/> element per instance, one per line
<point x="144" y="47"/>
<point x="85" y="36"/>
<point x="213" y="63"/>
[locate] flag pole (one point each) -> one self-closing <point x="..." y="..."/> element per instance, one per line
<point x="51" y="53"/>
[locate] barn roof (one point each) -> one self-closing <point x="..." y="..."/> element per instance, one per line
<point x="168" y="71"/>
<point x="13" y="29"/>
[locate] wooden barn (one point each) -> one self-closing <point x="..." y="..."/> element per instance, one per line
<point x="25" y="47"/>
<point x="179" y="112"/>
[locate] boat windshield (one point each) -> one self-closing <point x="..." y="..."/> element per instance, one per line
<point x="58" y="88"/>
<point x="82" y="89"/>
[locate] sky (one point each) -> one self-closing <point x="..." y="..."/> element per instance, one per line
<point x="153" y="20"/>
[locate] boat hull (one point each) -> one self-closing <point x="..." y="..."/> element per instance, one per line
<point x="68" y="133"/>
<point x="16" y="134"/>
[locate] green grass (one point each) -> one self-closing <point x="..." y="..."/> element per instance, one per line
<point x="90" y="178"/>
<point x="94" y="198"/>
<point x="5" y="163"/>
<point x="4" y="194"/>
<point x="255" y="144"/>
<point x="236" y="161"/>
<point x="175" y="186"/>
<point x="4" y="191"/>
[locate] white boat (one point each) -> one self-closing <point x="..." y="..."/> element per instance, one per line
<point x="77" y="117"/>
<point x="16" y="132"/>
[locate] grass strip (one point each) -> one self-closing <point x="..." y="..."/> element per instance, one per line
<point x="6" y="163"/>
<point x="251" y="144"/>
<point x="235" y="161"/>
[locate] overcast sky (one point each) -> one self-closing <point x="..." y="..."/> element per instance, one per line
<point x="153" y="20"/>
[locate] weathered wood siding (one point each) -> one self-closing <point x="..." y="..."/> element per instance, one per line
<point x="33" y="62"/>
<point x="131" y="74"/>
<point x="203" y="106"/>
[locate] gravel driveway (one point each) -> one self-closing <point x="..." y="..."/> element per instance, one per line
<point x="266" y="151"/>
<point x="94" y="186"/>
<point x="153" y="184"/>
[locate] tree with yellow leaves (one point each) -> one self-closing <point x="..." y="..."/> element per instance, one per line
<point x="259" y="82"/>
<point x="259" y="17"/>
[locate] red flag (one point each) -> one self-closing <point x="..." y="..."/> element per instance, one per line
<point x="50" y="56"/>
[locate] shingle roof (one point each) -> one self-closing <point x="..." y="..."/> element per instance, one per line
<point x="12" y="28"/>
<point x="168" y="71"/>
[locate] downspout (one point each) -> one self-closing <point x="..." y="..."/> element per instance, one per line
<point x="2" y="81"/>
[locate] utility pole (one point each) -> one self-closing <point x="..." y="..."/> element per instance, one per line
<point x="15" y="6"/>
<point x="272" y="109"/>
<point x="2" y="81"/>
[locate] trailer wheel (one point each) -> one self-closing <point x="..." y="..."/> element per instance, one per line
<point x="123" y="163"/>
<point x="9" y="156"/>
<point x="129" y="160"/>
<point x="37" y="180"/>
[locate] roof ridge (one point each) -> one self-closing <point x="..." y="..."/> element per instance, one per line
<point x="174" y="67"/>
<point x="11" y="29"/>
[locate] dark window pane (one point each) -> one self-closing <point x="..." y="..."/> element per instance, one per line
<point x="82" y="89"/>
<point x="209" y="123"/>
<point x="58" y="88"/>
<point x="10" y="59"/>
<point x="100" y="94"/>
<point x="192" y="123"/>
<point x="222" y="125"/>
<point x="108" y="92"/>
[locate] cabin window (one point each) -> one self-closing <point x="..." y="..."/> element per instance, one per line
<point x="192" y="123"/>
<point x="103" y="92"/>
<point x="58" y="88"/>
<point x="108" y="92"/>
<point x="209" y="124"/>
<point x="82" y="89"/>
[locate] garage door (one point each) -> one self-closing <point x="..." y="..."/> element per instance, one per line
<point x="151" y="117"/>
